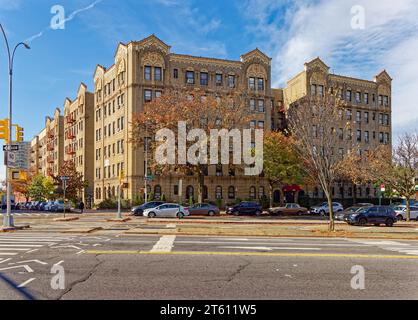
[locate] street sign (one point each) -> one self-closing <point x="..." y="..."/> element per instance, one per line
<point x="64" y="178"/>
<point x="383" y="188"/>
<point x="19" y="156"/>
<point x="11" y="148"/>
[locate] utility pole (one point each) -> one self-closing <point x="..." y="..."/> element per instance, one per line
<point x="146" y="166"/>
<point x="8" y="217"/>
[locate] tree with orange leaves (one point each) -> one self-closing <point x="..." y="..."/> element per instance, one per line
<point x="197" y="110"/>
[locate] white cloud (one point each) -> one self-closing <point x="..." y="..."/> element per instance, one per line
<point x="10" y="4"/>
<point x="307" y="29"/>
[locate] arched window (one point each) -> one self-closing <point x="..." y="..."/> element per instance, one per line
<point x="252" y="193"/>
<point x="189" y="192"/>
<point x="113" y="192"/>
<point x="104" y="193"/>
<point x="261" y="192"/>
<point x="157" y="192"/>
<point x="231" y="192"/>
<point x="218" y="192"/>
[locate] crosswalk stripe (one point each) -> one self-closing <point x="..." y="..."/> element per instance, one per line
<point x="7" y="254"/>
<point x="14" y="249"/>
<point x="20" y="245"/>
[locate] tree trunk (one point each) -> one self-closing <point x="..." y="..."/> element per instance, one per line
<point x="354" y="193"/>
<point x="408" y="209"/>
<point x="331" y="212"/>
<point x="201" y="179"/>
<point x="271" y="194"/>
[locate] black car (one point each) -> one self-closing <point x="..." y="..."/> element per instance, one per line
<point x="372" y="215"/>
<point x="139" y="210"/>
<point x="245" y="208"/>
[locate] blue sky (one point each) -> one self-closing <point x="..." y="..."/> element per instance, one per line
<point x="291" y="32"/>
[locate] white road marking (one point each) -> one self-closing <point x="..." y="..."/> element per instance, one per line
<point x="20" y="245"/>
<point x="7" y="254"/>
<point x="80" y="252"/>
<point x="5" y="260"/>
<point x="24" y="284"/>
<point x="34" y="250"/>
<point x="26" y="267"/>
<point x="14" y="249"/>
<point x="165" y="244"/>
<point x="393" y="246"/>
<point x="58" y="263"/>
<point x="34" y="261"/>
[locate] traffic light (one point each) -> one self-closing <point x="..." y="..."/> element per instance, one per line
<point x="4" y="130"/>
<point x="19" y="134"/>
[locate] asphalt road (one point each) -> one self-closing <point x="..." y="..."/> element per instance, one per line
<point x="117" y="266"/>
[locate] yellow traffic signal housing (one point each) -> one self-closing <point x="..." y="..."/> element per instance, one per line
<point x="4" y="130"/>
<point x="19" y="134"/>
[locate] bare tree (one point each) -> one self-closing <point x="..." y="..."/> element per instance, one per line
<point x="317" y="124"/>
<point x="400" y="173"/>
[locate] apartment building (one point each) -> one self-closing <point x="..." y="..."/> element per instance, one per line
<point x="143" y="71"/>
<point x="48" y="147"/>
<point x="79" y="137"/>
<point x="368" y="110"/>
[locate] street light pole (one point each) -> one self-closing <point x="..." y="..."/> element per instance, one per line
<point x="8" y="217"/>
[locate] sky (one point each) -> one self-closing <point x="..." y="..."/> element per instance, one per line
<point x="291" y="32"/>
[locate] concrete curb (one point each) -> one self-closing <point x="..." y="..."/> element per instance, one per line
<point x="119" y="220"/>
<point x="66" y="219"/>
<point x="16" y="228"/>
<point x="170" y="232"/>
<point x="83" y="230"/>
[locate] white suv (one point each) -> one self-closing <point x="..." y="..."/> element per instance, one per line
<point x="323" y="209"/>
<point x="401" y="212"/>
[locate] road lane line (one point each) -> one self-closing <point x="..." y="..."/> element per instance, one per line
<point x="7" y="254"/>
<point x="21" y="245"/>
<point x="14" y="249"/>
<point x="272" y="248"/>
<point x="24" y="284"/>
<point x="260" y="254"/>
<point x="165" y="244"/>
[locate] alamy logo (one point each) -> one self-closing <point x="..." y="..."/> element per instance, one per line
<point x="246" y="148"/>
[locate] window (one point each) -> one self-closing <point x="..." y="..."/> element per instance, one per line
<point x="147" y="73"/>
<point x="231" y="81"/>
<point x="252" y="193"/>
<point x="231" y="192"/>
<point x="261" y="192"/>
<point x="190" y="77"/>
<point x="321" y="91"/>
<point x="204" y="79"/>
<point x="147" y="95"/>
<point x="349" y="134"/>
<point x="381" y="118"/>
<point x="313" y="89"/>
<point x="158" y="94"/>
<point x="386" y="121"/>
<point x="380" y="100"/>
<point x="366" y="117"/>
<point x="386" y="101"/>
<point x="218" y="192"/>
<point x="358" y="116"/>
<point x="366" y="137"/>
<point x="253" y="123"/>
<point x="157" y="192"/>
<point x="260" y="84"/>
<point x="366" y="98"/>
<point x="261" y="124"/>
<point x="315" y="131"/>
<point x="252" y="105"/>
<point x="358" y="135"/>
<point x="219" y="170"/>
<point x="341" y="133"/>
<point x="218" y="79"/>
<point x="176" y="73"/>
<point x="381" y="139"/>
<point x="358" y="97"/>
<point x="349" y="114"/>
<point x="341" y="152"/>
<point x="348" y="95"/>
<point x="251" y="83"/>
<point x="157" y="74"/>
<point x="176" y="188"/>
<point x="261" y="106"/>
<point x="386" y="139"/>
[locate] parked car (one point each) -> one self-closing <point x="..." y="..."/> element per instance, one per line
<point x="289" y="209"/>
<point x="33" y="205"/>
<point x="58" y="206"/>
<point x="245" y="208"/>
<point x="204" y="209"/>
<point x="340" y="215"/>
<point x="363" y="204"/>
<point x="401" y="212"/>
<point x="372" y="215"/>
<point x="167" y="210"/>
<point x="139" y="210"/>
<point x="323" y="209"/>
<point x="48" y="205"/>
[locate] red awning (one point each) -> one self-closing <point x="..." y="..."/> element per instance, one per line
<point x="294" y="188"/>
